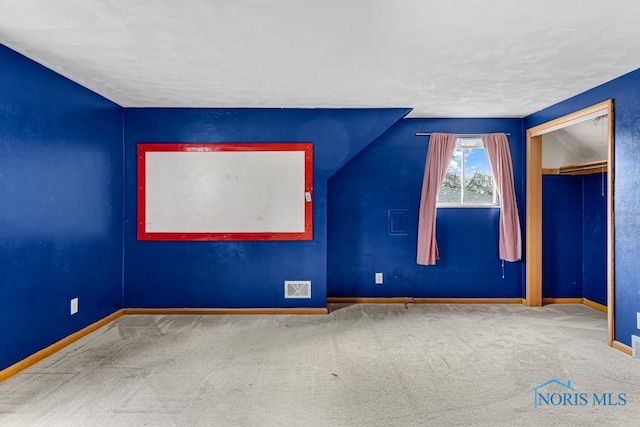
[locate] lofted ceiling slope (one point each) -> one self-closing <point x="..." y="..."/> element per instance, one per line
<point x="583" y="142"/>
<point x="462" y="58"/>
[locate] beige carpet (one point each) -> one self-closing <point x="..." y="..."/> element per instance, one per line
<point x="428" y="365"/>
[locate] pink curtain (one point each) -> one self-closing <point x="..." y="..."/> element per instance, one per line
<point x="441" y="146"/>
<point x="499" y="155"/>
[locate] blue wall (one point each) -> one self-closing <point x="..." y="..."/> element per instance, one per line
<point x="61" y="210"/>
<point x="562" y="235"/>
<point x="240" y="274"/>
<point x="625" y="91"/>
<point x="60" y="206"/>
<point x="595" y="237"/>
<point x="388" y="175"/>
<point x="574" y="237"/>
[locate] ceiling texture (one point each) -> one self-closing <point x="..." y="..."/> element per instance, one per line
<point x="446" y="58"/>
<point x="575" y="144"/>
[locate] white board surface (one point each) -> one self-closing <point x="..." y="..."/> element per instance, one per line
<point x="225" y="192"/>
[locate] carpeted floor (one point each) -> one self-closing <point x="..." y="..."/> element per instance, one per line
<point x="362" y="365"/>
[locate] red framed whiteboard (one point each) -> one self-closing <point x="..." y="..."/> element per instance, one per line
<point x="220" y="191"/>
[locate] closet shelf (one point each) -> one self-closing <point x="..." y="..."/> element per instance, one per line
<point x="578" y="169"/>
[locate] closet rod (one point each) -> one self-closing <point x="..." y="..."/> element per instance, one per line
<point x="578" y="169"/>
<point x="590" y="166"/>
<point x="460" y="135"/>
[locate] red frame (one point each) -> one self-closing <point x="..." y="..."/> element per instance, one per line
<point x="144" y="148"/>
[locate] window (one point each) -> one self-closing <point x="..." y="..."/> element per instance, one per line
<point x="469" y="182"/>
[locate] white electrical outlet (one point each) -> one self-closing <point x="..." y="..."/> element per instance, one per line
<point x="379" y="279"/>
<point x="74" y="306"/>
<point x="635" y="346"/>
<point x="638" y="325"/>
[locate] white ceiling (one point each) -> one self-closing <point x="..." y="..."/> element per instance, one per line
<point x="447" y="58"/>
<point x="578" y="143"/>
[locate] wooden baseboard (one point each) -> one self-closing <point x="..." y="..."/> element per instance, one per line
<point x="562" y="300"/>
<point x="218" y="311"/>
<point x="595" y="305"/>
<point x="362" y="300"/>
<point x="622" y="347"/>
<point x="57" y="346"/>
<point x="585" y="301"/>
<point x="405" y="300"/>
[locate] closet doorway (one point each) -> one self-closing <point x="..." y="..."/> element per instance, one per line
<point x="602" y="115"/>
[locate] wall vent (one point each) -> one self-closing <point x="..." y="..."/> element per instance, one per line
<point x="297" y="289"/>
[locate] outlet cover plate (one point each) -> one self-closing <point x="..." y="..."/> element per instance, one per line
<point x="74" y="306"/>
<point x="379" y="279"/>
<point x="635" y="345"/>
<point x="638" y="321"/>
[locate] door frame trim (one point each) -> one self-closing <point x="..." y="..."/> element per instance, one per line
<point x="533" y="265"/>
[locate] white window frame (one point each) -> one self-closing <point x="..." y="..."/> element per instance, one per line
<point x="463" y="144"/>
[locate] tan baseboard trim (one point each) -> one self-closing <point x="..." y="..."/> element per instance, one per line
<point x="595" y="305"/>
<point x="622" y="347"/>
<point x="212" y="311"/>
<point x="361" y="300"/>
<point x="405" y="300"/>
<point x="562" y="300"/>
<point x="585" y="301"/>
<point x="57" y="346"/>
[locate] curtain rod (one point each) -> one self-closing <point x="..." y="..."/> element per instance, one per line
<point x="461" y="135"/>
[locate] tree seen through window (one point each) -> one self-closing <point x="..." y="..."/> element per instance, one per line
<point x="468" y="181"/>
